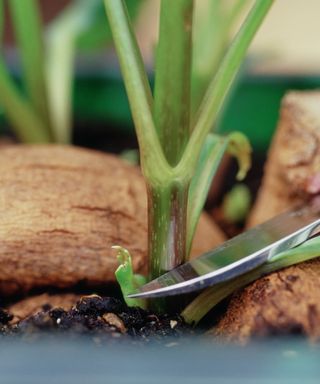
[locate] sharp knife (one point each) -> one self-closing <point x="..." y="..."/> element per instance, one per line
<point x="237" y="255"/>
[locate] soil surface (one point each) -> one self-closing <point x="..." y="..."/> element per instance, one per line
<point x="102" y="319"/>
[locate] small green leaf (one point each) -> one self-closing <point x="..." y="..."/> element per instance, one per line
<point x="236" y="204"/>
<point x="239" y="147"/>
<point x="127" y="280"/>
<point x="131" y="156"/>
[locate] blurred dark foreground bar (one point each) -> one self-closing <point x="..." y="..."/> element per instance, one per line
<point x="191" y="361"/>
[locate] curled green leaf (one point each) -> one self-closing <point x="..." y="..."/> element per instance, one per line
<point x="239" y="147"/>
<point x="127" y="280"/>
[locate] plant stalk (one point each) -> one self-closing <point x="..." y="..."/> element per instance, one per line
<point x="167" y="222"/>
<point x="168" y="217"/>
<point x="154" y="164"/>
<point x="173" y="77"/>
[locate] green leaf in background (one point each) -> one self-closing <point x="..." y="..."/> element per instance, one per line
<point x="61" y="39"/>
<point x="29" y="35"/>
<point x="131" y="156"/>
<point x="97" y="33"/>
<point x="19" y="111"/>
<point x="81" y="25"/>
<point x="214" y="25"/>
<point x="236" y="204"/>
<point x="1" y="22"/>
<point x="28" y="126"/>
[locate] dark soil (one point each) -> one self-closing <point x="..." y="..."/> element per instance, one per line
<point x="102" y="319"/>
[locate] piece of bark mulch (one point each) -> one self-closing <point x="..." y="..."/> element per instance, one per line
<point x="284" y="303"/>
<point x="62" y="208"/>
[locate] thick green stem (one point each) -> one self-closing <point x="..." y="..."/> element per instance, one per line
<point x="154" y="164"/>
<point x="172" y="77"/>
<point x="167" y="232"/>
<point x="167" y="218"/>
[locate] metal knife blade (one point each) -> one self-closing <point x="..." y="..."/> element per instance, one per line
<point x="237" y="255"/>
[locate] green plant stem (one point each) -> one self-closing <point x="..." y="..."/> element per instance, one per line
<point x="28" y="29"/>
<point x="168" y="182"/>
<point x="168" y="203"/>
<point x="167" y="218"/>
<point x="167" y="186"/>
<point x="210" y="297"/>
<point x="167" y="223"/>
<point x="28" y="127"/>
<point x="172" y="79"/>
<point x="154" y="164"/>
<point x="220" y="85"/>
